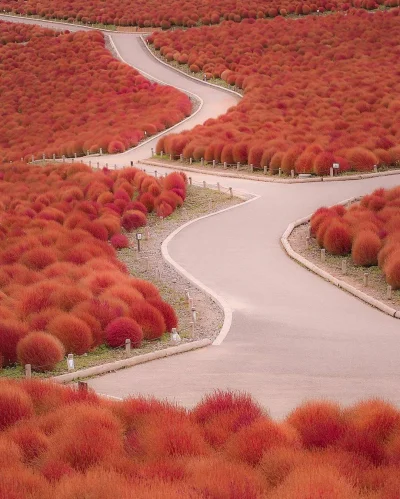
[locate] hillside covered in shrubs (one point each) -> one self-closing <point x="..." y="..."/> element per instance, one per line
<point x="317" y="91"/>
<point x="368" y="230"/>
<point x="65" y="94"/>
<point x="62" y="287"/>
<point x="59" y="442"/>
<point x="146" y="13"/>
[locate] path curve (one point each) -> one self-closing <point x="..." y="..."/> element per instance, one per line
<point x="293" y="335"/>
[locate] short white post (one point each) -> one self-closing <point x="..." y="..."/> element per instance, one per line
<point x="202" y="161"/>
<point x="344" y="266"/>
<point x="155" y="173"/>
<point x="190" y="161"/>
<point x="101" y="151"/>
<point x="194" y="315"/>
<point x="204" y="184"/>
<point x="365" y="279"/>
<point x="292" y="173"/>
<point x="28" y="371"/>
<point x="128" y="346"/>
<point x="280" y="172"/>
<point x="389" y="292"/>
<point x="54" y="156"/>
<point x="70" y="362"/>
<point x="213" y="163"/>
<point x="181" y="158"/>
<point x="192" y="326"/>
<point x="331" y="171"/>
<point x="251" y="167"/>
<point x="175" y="338"/>
<point x="63" y="159"/>
<point x="225" y="165"/>
<point x="90" y="164"/>
<point x="375" y="169"/>
<point x="218" y="187"/>
<point x="231" y="192"/>
<point x="238" y="166"/>
<point x="170" y="157"/>
<point x="146" y="233"/>
<point x="190" y="181"/>
<point x="265" y="169"/>
<point x="323" y="255"/>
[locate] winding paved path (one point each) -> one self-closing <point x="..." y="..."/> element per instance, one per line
<point x="293" y="335"/>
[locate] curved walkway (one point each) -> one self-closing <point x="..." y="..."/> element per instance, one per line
<point x="293" y="335"/>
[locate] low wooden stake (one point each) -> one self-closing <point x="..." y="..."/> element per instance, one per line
<point x="389" y="292"/>
<point x="344" y="266"/>
<point x="28" y="371"/>
<point x="365" y="280"/>
<point x="128" y="346"/>
<point x="323" y="255"/>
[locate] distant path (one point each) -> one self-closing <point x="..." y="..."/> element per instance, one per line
<point x="293" y="335"/>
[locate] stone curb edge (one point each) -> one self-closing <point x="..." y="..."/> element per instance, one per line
<point x="214" y="296"/>
<point x="325" y="275"/>
<point x="132" y="361"/>
<point x="178" y="166"/>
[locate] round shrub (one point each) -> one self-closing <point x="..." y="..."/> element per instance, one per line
<point x="361" y="159"/>
<point x="170" y="317"/>
<point x="121" y="329"/>
<point x="149" y="318"/>
<point x="41" y="350"/>
<point x="119" y="241"/>
<point x="73" y="333"/>
<point x="323" y="163"/>
<point x="392" y="269"/>
<point x="133" y="220"/>
<point x="320" y="424"/>
<point x="366" y="246"/>
<point x="11" y="332"/>
<point x="337" y="238"/>
<point x="15" y="405"/>
<point x="39" y="258"/>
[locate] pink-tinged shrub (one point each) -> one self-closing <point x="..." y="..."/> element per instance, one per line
<point x="319" y="424"/>
<point x="133" y="219"/>
<point x="147" y="200"/>
<point x="149" y="318"/>
<point x="392" y="269"/>
<point x="168" y="313"/>
<point x="41" y="350"/>
<point x="365" y="249"/>
<point x="121" y="329"/>
<point x="119" y="241"/>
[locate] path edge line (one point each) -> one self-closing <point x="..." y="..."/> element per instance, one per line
<point x="212" y="294"/>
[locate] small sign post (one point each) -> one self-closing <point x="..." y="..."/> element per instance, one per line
<point x="138" y="238"/>
<point x="335" y="167"/>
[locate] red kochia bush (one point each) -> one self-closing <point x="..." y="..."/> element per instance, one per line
<point x="11" y="332"/>
<point x="170" y="318"/>
<point x="366" y="246"/>
<point x="149" y="318"/>
<point x="14" y="405"/>
<point x="337" y="238"/>
<point x="119" y="241"/>
<point x="121" y="329"/>
<point x="133" y="220"/>
<point x="41" y="350"/>
<point x="73" y="333"/>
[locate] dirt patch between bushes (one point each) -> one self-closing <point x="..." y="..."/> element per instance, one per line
<point x="377" y="286"/>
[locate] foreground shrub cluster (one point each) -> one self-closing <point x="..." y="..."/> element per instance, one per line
<point x="369" y="230"/>
<point x="64" y="93"/>
<point x="62" y="288"/>
<point x="146" y="13"/>
<point x="317" y="91"/>
<point x="59" y="442"/>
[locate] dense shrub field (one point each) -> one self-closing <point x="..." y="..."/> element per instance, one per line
<point x="59" y="442"/>
<point x="145" y="13"/>
<point x="369" y="230"/>
<point x="317" y="90"/>
<point x="64" y="93"/>
<point x="62" y="288"/>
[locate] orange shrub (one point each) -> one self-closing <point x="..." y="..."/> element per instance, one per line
<point x="365" y="249"/>
<point x="41" y="350"/>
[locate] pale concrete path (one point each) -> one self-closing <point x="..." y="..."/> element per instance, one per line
<point x="293" y="335"/>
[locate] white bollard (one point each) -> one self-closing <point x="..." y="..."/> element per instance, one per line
<point x="389" y="292"/>
<point x="323" y="255"/>
<point x="344" y="266"/>
<point x="28" y="371"/>
<point x="128" y="346"/>
<point x="365" y="279"/>
<point x="70" y="362"/>
<point x="175" y="338"/>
